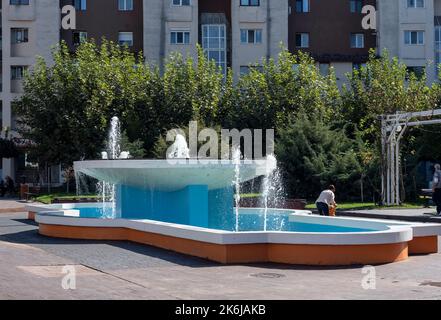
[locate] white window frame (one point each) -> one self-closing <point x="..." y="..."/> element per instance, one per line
<point x="82" y="5"/>
<point x="305" y="6"/>
<point x="408" y="37"/>
<point x="248" y="3"/>
<point x="183" y="37"/>
<point x="82" y="36"/>
<point x="256" y="40"/>
<point x="22" y="72"/>
<point x="303" y="36"/>
<point x="127" y="5"/>
<point x="24" y="32"/>
<point x="357" y="36"/>
<point x="179" y="3"/>
<point x="125" y="42"/>
<point x="353" y="7"/>
<point x="222" y="41"/>
<point x="413" y="4"/>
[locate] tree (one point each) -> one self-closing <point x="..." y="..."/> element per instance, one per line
<point x="313" y="155"/>
<point x="66" y="106"/>
<point x="267" y="96"/>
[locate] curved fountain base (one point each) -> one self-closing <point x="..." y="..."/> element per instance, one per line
<point x="381" y="241"/>
<point x="300" y="254"/>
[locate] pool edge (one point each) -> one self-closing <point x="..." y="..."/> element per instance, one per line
<point x="299" y="254"/>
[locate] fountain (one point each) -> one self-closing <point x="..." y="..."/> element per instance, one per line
<point x="192" y="206"/>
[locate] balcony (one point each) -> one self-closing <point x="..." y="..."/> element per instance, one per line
<point x="20" y="49"/>
<point x="21" y="12"/>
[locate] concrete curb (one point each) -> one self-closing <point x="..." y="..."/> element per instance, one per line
<point x="418" y="218"/>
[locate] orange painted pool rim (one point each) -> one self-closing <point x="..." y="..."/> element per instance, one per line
<point x="299" y="254"/>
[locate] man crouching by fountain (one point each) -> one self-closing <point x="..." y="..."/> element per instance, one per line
<point x="326" y="201"/>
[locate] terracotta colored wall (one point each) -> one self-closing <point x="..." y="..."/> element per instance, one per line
<point x="103" y="19"/>
<point x="329" y="24"/>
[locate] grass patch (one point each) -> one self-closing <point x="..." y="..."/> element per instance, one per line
<point x="250" y="195"/>
<point x="49" y="198"/>
<point x="369" y="205"/>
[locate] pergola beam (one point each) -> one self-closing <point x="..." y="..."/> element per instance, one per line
<point x="393" y="127"/>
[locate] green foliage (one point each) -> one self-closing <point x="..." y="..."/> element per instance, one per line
<point x="384" y="86"/>
<point x="323" y="135"/>
<point x="265" y="98"/>
<point x="66" y="107"/>
<point x="8" y="149"/>
<point x="314" y="155"/>
<point x="135" y="148"/>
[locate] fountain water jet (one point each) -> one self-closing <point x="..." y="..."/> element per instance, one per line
<point x="236" y="161"/>
<point x="107" y="190"/>
<point x="271" y="187"/>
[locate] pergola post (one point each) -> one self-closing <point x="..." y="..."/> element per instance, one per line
<point x="393" y="127"/>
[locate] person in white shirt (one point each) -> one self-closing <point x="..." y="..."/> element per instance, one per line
<point x="326" y="200"/>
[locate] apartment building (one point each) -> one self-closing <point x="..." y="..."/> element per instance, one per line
<point x="234" y="33"/>
<point x="331" y="32"/>
<point x="120" y="21"/>
<point x="29" y="28"/>
<point x="411" y="31"/>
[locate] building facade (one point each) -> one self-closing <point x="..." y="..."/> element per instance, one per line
<point x="236" y="34"/>
<point x="411" y="31"/>
<point x="332" y="33"/>
<point x="30" y="28"/>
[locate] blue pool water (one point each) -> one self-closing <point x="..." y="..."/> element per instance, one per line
<point x="249" y="220"/>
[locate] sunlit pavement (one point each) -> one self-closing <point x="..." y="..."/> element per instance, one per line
<point x="31" y="267"/>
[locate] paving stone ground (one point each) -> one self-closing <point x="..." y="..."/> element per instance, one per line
<point x="31" y="267"/>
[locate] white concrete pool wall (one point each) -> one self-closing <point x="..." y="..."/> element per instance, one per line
<point x="389" y="241"/>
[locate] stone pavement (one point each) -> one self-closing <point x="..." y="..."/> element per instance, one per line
<point x="11" y="205"/>
<point x="421" y="215"/>
<point x="31" y="267"/>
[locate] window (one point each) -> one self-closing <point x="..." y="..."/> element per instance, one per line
<point x="125" y="39"/>
<point x="356" y="6"/>
<point x="18" y="72"/>
<point x="125" y="5"/>
<point x="181" y="2"/>
<point x="418" y="71"/>
<point x="19" y="35"/>
<point x="214" y="44"/>
<point x="302" y="6"/>
<point x="80" y="5"/>
<point x="244" y="70"/>
<point x="324" y="69"/>
<point x="250" y="3"/>
<point x="415" y="3"/>
<point x="19" y="2"/>
<point x="358" y="66"/>
<point x="357" y="40"/>
<point x="414" y="37"/>
<point x="79" y="37"/>
<point x="180" y="37"/>
<point x="251" y="35"/>
<point x="302" y="40"/>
